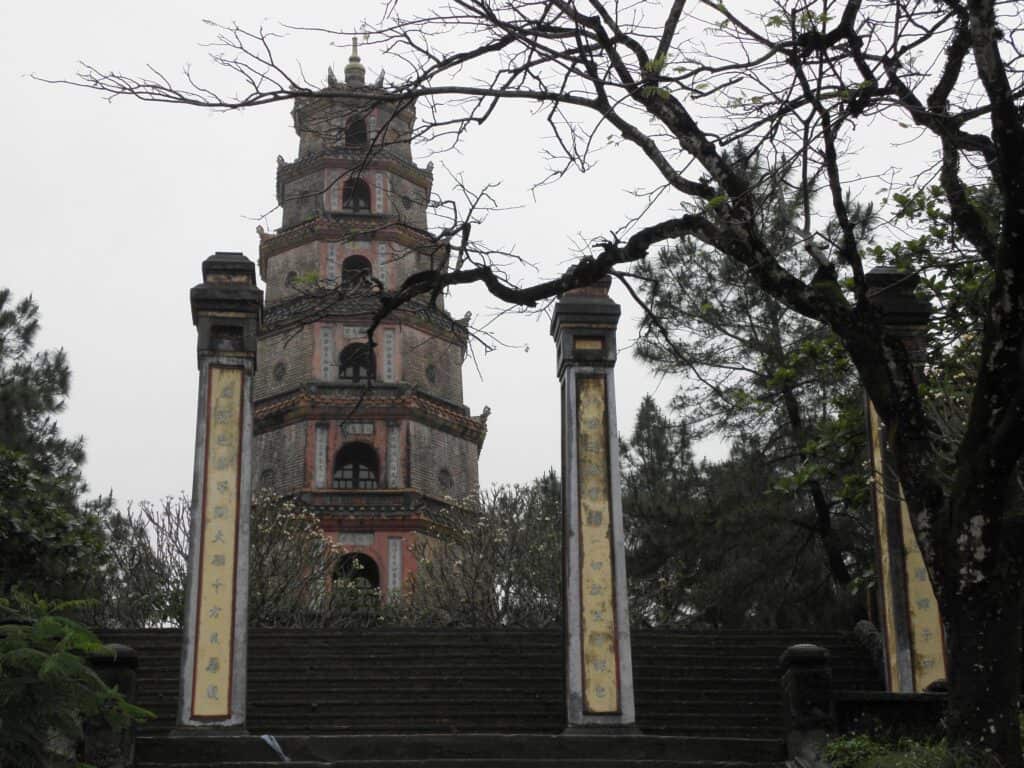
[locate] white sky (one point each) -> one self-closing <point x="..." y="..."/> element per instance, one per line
<point x="110" y="208"/>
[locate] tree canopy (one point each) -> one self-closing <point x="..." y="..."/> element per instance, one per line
<point x="50" y="544"/>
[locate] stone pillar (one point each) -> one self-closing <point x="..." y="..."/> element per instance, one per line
<point x="599" y="668"/>
<point x="806" y="701"/>
<point x="911" y="624"/>
<point x="226" y="312"/>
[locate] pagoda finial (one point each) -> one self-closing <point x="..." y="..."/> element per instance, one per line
<point x="355" y="72"/>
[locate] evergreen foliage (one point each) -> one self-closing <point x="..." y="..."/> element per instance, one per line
<point x="46" y="685"/>
<point x="788" y="507"/>
<point x="722" y="544"/>
<point x="49" y="544"/>
<point x="862" y="751"/>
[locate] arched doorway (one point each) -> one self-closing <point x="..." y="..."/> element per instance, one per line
<point x="359" y="568"/>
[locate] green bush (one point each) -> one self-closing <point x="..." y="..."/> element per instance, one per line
<point x="861" y="751"/>
<point x="852" y="751"/>
<point x="46" y="685"/>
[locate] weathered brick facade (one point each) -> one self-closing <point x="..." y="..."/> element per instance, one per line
<point x="375" y="438"/>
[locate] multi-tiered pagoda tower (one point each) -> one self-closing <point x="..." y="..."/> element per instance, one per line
<point x="372" y="437"/>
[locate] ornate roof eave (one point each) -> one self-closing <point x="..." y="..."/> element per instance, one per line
<point x="349" y="157"/>
<point x="288" y="316"/>
<point x="345" y="227"/>
<point x="329" y="401"/>
<point x="363" y="96"/>
<point x="399" y="508"/>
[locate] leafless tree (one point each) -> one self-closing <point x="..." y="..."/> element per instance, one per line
<point x="794" y="79"/>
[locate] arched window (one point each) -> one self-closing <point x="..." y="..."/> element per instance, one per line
<point x="355" y="132"/>
<point x="356" y="363"/>
<point x="445" y="480"/>
<point x="358" y="567"/>
<point x="355" y="270"/>
<point x="356" y="467"/>
<point x="355" y="196"/>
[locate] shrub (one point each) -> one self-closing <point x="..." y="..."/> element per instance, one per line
<point x="852" y="751"/>
<point x="860" y="751"/>
<point x="46" y="685"/>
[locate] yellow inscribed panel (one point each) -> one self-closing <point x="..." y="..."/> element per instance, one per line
<point x="588" y="344"/>
<point x="597" y="599"/>
<point x="925" y="621"/>
<point x="884" y="559"/>
<point x="215" y="621"/>
<point x="927" y="649"/>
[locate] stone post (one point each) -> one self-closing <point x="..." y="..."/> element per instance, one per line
<point x="104" y="745"/>
<point x="226" y="312"/>
<point x="806" y="700"/>
<point x="599" y="668"/>
<point x="911" y="624"/>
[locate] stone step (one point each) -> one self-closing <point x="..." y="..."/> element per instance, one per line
<point x="551" y="747"/>
<point x="480" y="707"/>
<point x="440" y="681"/>
<point x="764" y="642"/>
<point x="373" y="647"/>
<point x="482" y="662"/>
<point x="426" y="690"/>
<point x="473" y="763"/>
<point x="304" y="723"/>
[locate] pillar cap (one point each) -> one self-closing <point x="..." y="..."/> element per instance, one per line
<point x="116" y="655"/>
<point x="583" y="326"/>
<point x="229" y="267"/>
<point x="590" y="305"/>
<point x="227" y="306"/>
<point x="892" y="291"/>
<point x="229" y="285"/>
<point x="804" y="655"/>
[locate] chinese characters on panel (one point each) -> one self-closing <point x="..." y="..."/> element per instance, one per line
<point x="600" y="662"/>
<point x="215" y="611"/>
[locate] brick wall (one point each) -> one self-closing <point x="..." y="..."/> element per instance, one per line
<point x="408" y="202"/>
<point x="301" y="199"/>
<point x="301" y="260"/>
<point x="283" y="361"/>
<point x="433" y="450"/>
<point x="419" y="352"/>
<point x="283" y="452"/>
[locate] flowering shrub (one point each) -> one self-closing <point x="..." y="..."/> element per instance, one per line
<point x="496" y="561"/>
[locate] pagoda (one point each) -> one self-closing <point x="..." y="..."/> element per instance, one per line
<point x="369" y="431"/>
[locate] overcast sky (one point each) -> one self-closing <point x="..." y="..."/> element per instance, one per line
<point x="110" y="209"/>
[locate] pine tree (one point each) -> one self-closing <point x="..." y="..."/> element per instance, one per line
<point x="49" y="544"/>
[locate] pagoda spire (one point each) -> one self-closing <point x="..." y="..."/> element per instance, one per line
<point x="355" y="72"/>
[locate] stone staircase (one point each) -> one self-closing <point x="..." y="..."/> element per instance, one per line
<point x="401" y="697"/>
